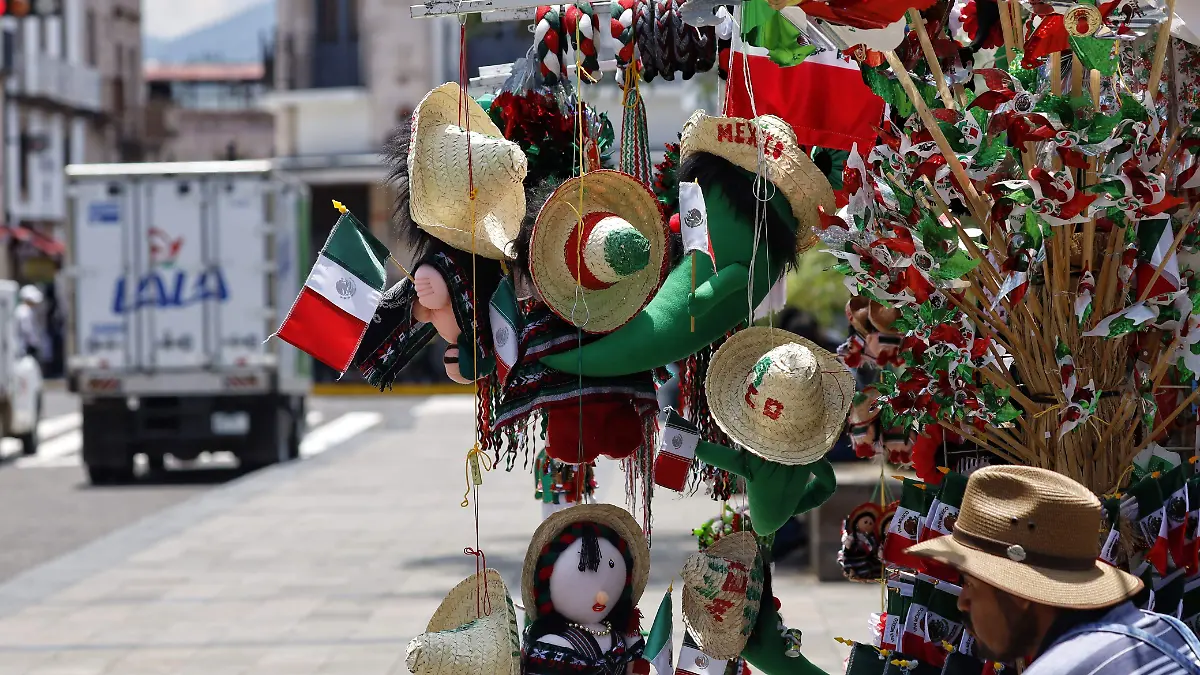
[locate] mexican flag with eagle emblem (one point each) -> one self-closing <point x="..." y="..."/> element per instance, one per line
<point x="340" y="296"/>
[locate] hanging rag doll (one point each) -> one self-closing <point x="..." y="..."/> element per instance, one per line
<point x="860" y="543"/>
<point x="584" y="573"/>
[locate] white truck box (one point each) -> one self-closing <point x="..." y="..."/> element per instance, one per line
<point x="178" y="272"/>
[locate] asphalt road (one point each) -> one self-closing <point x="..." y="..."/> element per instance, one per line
<point x="48" y="508"/>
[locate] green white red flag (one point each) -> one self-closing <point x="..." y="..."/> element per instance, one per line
<point x="340" y="297"/>
<point x="660" y="643"/>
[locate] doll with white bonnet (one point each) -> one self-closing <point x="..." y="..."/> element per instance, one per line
<point x="584" y="572"/>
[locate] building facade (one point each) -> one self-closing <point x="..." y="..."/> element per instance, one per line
<point x="207" y="111"/>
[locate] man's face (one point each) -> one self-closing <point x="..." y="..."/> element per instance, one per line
<point x="1000" y="622"/>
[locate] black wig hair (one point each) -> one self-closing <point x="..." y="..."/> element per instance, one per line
<point x="738" y="185"/>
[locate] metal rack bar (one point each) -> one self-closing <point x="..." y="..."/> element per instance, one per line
<point x="436" y="8"/>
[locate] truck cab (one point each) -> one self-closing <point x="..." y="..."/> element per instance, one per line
<point x="177" y="274"/>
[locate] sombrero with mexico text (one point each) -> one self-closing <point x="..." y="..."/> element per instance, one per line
<point x="617" y="257"/>
<point x="778" y="395"/>
<point x="784" y="164"/>
<point x="608" y="516"/>
<point x="1032" y="533"/>
<point x="471" y="632"/>
<point x="440" y="175"/>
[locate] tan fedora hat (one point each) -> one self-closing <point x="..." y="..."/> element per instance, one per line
<point x="722" y="594"/>
<point x="737" y="140"/>
<point x="471" y="632"/>
<point x="780" y="396"/>
<point x="439" y="180"/>
<point x="613" y="517"/>
<point x="1032" y="533"/>
<point x="619" y="261"/>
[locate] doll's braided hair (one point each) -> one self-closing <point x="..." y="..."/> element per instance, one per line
<point x="548" y="620"/>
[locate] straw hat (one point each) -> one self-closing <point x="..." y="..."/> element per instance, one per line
<point x="623" y="257"/>
<point x="706" y="577"/>
<point x="780" y="396"/>
<point x="459" y="641"/>
<point x="1032" y="533"/>
<point x="439" y="178"/>
<point x="614" y="517"/>
<point x="737" y="140"/>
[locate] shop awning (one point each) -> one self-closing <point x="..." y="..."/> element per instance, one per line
<point x="44" y="243"/>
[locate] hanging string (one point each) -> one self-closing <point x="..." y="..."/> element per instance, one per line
<point x="483" y="600"/>
<point x="475" y="456"/>
<point x="579" y="295"/>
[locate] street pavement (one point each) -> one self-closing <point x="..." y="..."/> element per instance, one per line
<point x="329" y="565"/>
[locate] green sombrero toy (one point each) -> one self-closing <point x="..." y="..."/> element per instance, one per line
<point x="722" y="154"/>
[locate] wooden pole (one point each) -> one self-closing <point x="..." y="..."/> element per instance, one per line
<point x="1160" y="51"/>
<point x="935" y="67"/>
<point x="974" y="201"/>
<point x="1007" y="29"/>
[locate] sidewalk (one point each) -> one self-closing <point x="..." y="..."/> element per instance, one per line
<point x="328" y="566"/>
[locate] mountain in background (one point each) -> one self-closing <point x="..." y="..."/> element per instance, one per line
<point x="237" y="39"/>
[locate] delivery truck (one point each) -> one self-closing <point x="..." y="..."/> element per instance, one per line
<point x="177" y="273"/>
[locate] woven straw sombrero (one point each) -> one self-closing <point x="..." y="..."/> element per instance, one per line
<point x="622" y="259"/>
<point x="737" y="140"/>
<point x="613" y="517"/>
<point x="470" y="633"/>
<point x="439" y="180"/>
<point x="780" y="396"/>
<point x="719" y="615"/>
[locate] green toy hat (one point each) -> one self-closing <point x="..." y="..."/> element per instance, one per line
<point x="599" y="250"/>
<point x="780" y="396"/>
<point x="784" y="164"/>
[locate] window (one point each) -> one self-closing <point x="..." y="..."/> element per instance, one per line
<point x="90" y="46"/>
<point x="351" y="7"/>
<point x="328" y="20"/>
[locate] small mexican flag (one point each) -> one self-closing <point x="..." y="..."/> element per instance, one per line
<point x="905" y="526"/>
<point x="940" y="522"/>
<point x="1152" y="519"/>
<point x="693" y="221"/>
<point x="340" y="297"/>
<point x="676" y="452"/>
<point x="660" y="644"/>
<point x="1175" y="491"/>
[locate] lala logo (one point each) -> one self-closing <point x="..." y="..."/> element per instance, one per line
<point x="693" y="218"/>
<point x="345" y="288"/>
<point x="165" y="285"/>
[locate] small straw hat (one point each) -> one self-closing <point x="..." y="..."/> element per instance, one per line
<point x="439" y="180"/>
<point x="1032" y="533"/>
<point x="778" y="395"/>
<point x="470" y="634"/>
<point x="722" y="594"/>
<point x="623" y="257"/>
<point x="737" y="140"/>
<point x="614" y="517"/>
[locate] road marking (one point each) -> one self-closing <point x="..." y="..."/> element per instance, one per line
<point x="62" y="440"/>
<point x="54" y="451"/>
<point x="338" y="431"/>
<point x="446" y="404"/>
<point x="47" y="429"/>
<point x="314" y="418"/>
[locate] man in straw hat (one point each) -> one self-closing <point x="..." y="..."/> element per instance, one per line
<point x="1026" y="543"/>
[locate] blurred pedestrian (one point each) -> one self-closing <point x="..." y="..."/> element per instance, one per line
<point x="29" y="329"/>
<point x="1026" y="543"/>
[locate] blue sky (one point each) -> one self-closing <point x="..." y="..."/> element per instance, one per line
<point x="168" y="18"/>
